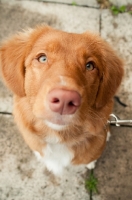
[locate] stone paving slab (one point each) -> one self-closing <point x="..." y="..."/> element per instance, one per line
<point x="66" y="17"/>
<point x="114" y="169"/>
<point x="90" y="3"/>
<point x="120" y="2"/>
<point x="117" y="30"/>
<point x="6" y="100"/>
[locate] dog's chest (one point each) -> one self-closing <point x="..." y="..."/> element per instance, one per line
<point x="56" y="155"/>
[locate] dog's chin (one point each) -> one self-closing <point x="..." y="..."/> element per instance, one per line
<point x="56" y="126"/>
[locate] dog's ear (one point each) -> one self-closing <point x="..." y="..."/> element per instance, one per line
<point x="111" y="77"/>
<point x="12" y="56"/>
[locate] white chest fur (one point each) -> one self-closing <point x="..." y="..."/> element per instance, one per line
<point x="56" y="156"/>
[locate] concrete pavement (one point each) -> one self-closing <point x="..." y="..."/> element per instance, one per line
<point x="21" y="176"/>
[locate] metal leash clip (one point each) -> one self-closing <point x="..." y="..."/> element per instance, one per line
<point x="114" y="120"/>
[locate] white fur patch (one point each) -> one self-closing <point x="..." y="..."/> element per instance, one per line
<point x="38" y="156"/>
<point x="92" y="164"/>
<point x="56" y="127"/>
<point x="56" y="157"/>
<point x="62" y="81"/>
<point x="108" y="136"/>
<point x="52" y="139"/>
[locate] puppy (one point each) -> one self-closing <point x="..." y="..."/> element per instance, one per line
<point x="63" y="86"/>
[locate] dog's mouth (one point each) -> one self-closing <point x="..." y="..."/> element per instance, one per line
<point x="58" y="122"/>
<point x="56" y="126"/>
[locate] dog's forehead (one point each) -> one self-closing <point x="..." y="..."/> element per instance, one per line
<point x="58" y="40"/>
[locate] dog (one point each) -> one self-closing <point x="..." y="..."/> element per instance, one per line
<point x="63" y="85"/>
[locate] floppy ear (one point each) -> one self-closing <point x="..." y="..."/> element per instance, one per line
<point x="12" y="55"/>
<point x="111" y="76"/>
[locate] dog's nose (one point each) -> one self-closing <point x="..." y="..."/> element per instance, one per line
<point x="64" y="102"/>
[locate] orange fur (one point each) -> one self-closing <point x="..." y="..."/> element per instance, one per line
<point x="30" y="81"/>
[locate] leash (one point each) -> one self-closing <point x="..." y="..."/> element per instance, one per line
<point x="116" y="121"/>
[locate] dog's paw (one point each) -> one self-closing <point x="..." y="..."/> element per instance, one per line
<point x="91" y="165"/>
<point x="108" y="136"/>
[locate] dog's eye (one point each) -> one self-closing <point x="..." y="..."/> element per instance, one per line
<point x="90" y="66"/>
<point x="42" y="59"/>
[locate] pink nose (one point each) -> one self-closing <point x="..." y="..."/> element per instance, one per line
<point x="64" y="102"/>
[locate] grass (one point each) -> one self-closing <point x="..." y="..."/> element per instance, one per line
<point x="116" y="10"/>
<point x="74" y="3"/>
<point x="91" y="184"/>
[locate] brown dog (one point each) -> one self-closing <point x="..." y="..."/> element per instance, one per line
<point x="63" y="85"/>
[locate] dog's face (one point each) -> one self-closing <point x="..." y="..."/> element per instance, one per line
<point x="61" y="78"/>
<point x="64" y="76"/>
